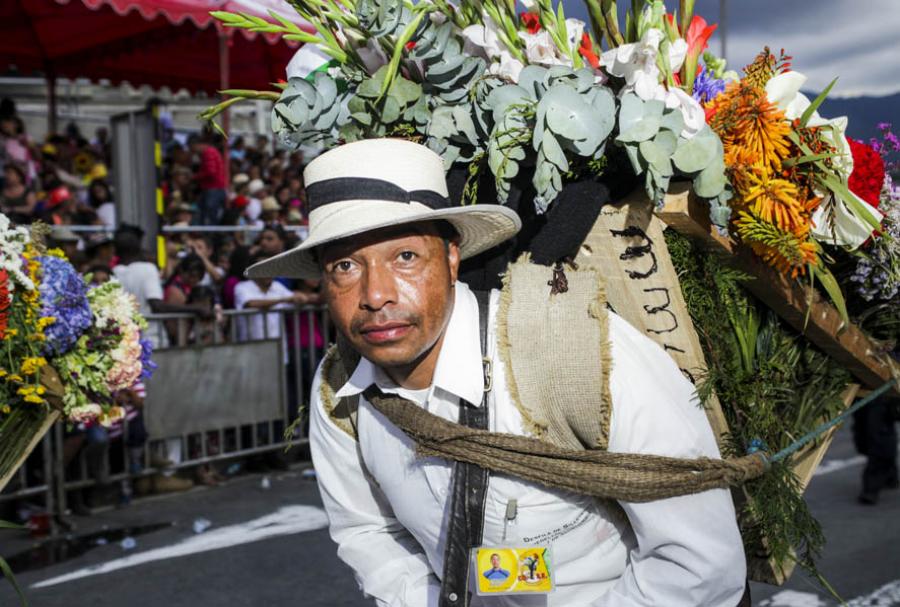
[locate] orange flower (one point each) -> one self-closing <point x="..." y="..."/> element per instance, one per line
<point x="775" y="201"/>
<point x="787" y="252"/>
<point x="742" y="116"/>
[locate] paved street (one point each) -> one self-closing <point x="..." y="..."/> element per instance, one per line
<point x="269" y="547"/>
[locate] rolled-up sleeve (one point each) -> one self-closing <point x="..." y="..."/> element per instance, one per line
<point x="688" y="549"/>
<point x="388" y="563"/>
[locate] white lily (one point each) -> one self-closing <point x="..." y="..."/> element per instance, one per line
<point x="849" y="229"/>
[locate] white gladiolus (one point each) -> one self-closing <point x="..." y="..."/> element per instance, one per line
<point x="483" y="40"/>
<point x="690" y="108"/>
<point x="636" y="63"/>
<point x="574" y="31"/>
<point x="540" y="49"/>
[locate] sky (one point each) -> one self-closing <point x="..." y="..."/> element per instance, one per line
<point x="857" y="40"/>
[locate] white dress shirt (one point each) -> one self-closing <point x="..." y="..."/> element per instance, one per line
<point x="387" y="508"/>
<point x="262" y="324"/>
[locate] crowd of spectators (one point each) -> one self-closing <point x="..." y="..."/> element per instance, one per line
<point x="64" y="182"/>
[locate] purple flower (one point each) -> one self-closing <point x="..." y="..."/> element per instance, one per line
<point x="64" y="297"/>
<point x="884" y="126"/>
<point x="147" y="365"/>
<point x="706" y="86"/>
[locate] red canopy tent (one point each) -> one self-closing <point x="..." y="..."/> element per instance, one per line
<point x="171" y="43"/>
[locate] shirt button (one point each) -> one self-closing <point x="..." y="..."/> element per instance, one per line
<point x="452" y="596"/>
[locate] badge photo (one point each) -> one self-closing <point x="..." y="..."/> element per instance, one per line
<point x="505" y="570"/>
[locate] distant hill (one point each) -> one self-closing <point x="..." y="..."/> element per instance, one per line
<point x="864" y="113"/>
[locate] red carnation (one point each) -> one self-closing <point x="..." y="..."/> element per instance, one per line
<point x="867" y="177"/>
<point x="532" y="22"/>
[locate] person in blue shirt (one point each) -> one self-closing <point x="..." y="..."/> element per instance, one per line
<point x="496" y="573"/>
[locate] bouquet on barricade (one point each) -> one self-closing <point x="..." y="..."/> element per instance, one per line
<point x="536" y="101"/>
<point x="65" y="348"/>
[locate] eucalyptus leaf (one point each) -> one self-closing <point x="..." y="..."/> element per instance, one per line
<point x="644" y="129"/>
<point x="631" y="111"/>
<point x="673" y="121"/>
<point x="553" y="152"/>
<point x="654" y="154"/>
<point x="568" y="115"/>
<point x="711" y="181"/>
<point x="667" y="141"/>
<point x="694" y="154"/>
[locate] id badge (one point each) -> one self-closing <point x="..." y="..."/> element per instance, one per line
<point x="510" y="570"/>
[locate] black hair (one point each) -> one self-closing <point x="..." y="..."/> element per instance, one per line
<point x="258" y="257"/>
<point x="99" y="267"/>
<point x="127" y="243"/>
<point x="239" y="262"/>
<point x="190" y="263"/>
<point x="278" y="229"/>
<point x="201" y="293"/>
<point x="93" y="199"/>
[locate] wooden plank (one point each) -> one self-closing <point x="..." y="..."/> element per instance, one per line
<point x="40" y="430"/>
<point x="800" y="306"/>
<point x="627" y="246"/>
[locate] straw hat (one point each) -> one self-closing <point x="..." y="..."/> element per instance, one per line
<point x="256" y="186"/>
<point x="270" y="204"/>
<point x="380" y="183"/>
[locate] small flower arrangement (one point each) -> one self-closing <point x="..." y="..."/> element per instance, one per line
<point x="877" y="273"/>
<point x="62" y="345"/>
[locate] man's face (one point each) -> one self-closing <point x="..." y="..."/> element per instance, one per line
<point x="495" y="561"/>
<point x="390" y="291"/>
<point x="269" y="243"/>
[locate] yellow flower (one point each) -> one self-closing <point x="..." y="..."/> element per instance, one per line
<point x="6" y="409"/>
<point x="3" y="373"/>
<point x="33" y="364"/>
<point x="45" y="322"/>
<point x="15" y="377"/>
<point x="31" y="398"/>
<point x="56" y="253"/>
<point x="10" y="333"/>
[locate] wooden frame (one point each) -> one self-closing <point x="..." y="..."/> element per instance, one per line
<point x="800" y="306"/>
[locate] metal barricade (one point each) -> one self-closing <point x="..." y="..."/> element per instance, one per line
<point x="294" y="338"/>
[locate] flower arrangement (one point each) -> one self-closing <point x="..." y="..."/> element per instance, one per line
<point x="538" y="93"/>
<point x="63" y="346"/>
<point x="877" y="270"/>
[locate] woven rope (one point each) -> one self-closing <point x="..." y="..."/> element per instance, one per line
<point x="626" y="477"/>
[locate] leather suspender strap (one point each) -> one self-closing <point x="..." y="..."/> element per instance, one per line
<point x="469" y="487"/>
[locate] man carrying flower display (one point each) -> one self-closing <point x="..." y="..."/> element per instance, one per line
<point x="386" y="243"/>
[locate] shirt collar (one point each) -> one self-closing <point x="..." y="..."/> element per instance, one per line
<point x="459" y="369"/>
